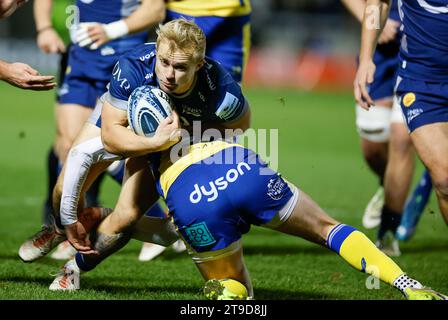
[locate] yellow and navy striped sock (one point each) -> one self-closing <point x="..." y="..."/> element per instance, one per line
<point x="355" y="248"/>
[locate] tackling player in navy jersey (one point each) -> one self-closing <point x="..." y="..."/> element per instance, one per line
<point x="421" y="83"/>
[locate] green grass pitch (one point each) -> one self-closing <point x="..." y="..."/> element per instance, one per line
<point x="318" y="151"/>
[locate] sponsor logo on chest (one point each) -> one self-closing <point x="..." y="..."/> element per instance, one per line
<point x="147" y="56"/>
<point x="123" y="82"/>
<point x="195" y="112"/>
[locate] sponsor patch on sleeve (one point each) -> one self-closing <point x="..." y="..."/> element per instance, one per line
<point x="230" y="108"/>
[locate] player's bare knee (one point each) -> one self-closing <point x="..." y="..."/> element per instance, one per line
<point x="63" y="145"/>
<point x="440" y="180"/>
<point x="402" y="147"/>
<point x="131" y="212"/>
<point x="120" y="219"/>
<point x="91" y="217"/>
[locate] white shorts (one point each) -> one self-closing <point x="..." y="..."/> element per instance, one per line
<point x="397" y="115"/>
<point x="95" y="116"/>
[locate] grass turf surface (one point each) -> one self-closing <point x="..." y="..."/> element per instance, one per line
<point x="318" y="151"/>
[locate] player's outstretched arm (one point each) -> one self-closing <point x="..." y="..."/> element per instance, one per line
<point x="375" y="15"/>
<point x="93" y="35"/>
<point x="48" y="39"/>
<point x="23" y="76"/>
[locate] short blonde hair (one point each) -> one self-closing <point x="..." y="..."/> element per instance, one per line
<point x="184" y="35"/>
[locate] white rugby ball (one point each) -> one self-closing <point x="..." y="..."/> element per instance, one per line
<point x="147" y="107"/>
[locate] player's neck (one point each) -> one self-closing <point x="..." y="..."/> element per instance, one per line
<point x="188" y="89"/>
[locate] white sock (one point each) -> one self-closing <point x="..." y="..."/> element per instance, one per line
<point x="403" y="282"/>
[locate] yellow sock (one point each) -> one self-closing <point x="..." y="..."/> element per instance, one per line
<point x="362" y="254"/>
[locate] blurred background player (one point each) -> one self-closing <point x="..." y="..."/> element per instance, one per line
<point x="385" y="142"/>
<point x="226" y="25"/>
<point x="101" y="31"/>
<point x="20" y="74"/>
<point x="421" y="82"/>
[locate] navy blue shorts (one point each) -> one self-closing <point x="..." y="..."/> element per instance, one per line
<point x="386" y="62"/>
<point x="86" y="77"/>
<point x="422" y="102"/>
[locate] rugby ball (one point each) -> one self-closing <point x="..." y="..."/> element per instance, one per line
<point x="147" y="107"/>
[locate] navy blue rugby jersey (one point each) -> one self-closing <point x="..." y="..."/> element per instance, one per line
<point x="393" y="12"/>
<point x="214" y="97"/>
<point x="424" y="45"/>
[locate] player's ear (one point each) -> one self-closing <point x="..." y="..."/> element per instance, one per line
<point x="200" y="64"/>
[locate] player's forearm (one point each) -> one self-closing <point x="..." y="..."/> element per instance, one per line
<point x="375" y="16"/>
<point x="355" y="7"/>
<point x="120" y="140"/>
<point x="42" y="14"/>
<point x="77" y="168"/>
<point x="3" y="70"/>
<point x="150" y="13"/>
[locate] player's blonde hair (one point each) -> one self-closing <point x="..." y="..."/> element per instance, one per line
<point x="184" y="35"/>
